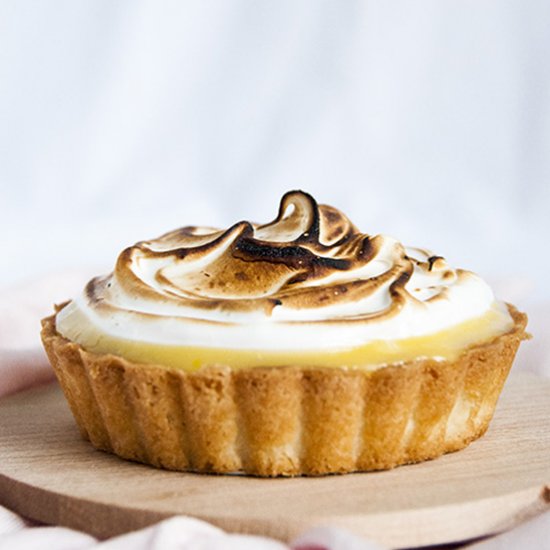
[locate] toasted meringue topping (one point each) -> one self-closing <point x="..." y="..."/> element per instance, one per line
<point x="307" y="280"/>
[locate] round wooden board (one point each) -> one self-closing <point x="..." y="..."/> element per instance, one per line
<point x="49" y="474"/>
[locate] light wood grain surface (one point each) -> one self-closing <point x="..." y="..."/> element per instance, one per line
<point x="48" y="473"/>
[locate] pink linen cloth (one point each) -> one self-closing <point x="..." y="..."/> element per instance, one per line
<point x="24" y="364"/>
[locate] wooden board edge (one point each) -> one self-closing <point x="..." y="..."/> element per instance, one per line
<point x="453" y="522"/>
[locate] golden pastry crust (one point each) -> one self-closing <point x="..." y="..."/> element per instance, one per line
<point x="283" y="421"/>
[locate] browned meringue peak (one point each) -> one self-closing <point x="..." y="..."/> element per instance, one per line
<point x="310" y="257"/>
<point x="309" y="282"/>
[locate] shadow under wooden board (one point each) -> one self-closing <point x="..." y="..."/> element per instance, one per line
<point x="49" y="474"/>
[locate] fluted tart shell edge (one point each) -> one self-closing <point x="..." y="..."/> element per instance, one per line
<point x="282" y="421"/>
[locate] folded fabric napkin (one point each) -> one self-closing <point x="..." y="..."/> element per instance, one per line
<point x="23" y="364"/>
<point x="178" y="533"/>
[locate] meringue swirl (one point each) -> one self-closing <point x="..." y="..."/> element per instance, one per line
<point x="307" y="280"/>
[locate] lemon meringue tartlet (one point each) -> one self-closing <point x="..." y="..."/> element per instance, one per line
<point x="301" y="346"/>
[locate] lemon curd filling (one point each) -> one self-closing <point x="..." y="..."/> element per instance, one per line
<point x="445" y="344"/>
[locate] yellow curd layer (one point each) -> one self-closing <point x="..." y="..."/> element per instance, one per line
<point x="446" y="344"/>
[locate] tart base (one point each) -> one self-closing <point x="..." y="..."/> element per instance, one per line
<point x="282" y="421"/>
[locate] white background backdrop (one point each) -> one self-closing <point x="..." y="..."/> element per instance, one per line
<point x="426" y="120"/>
